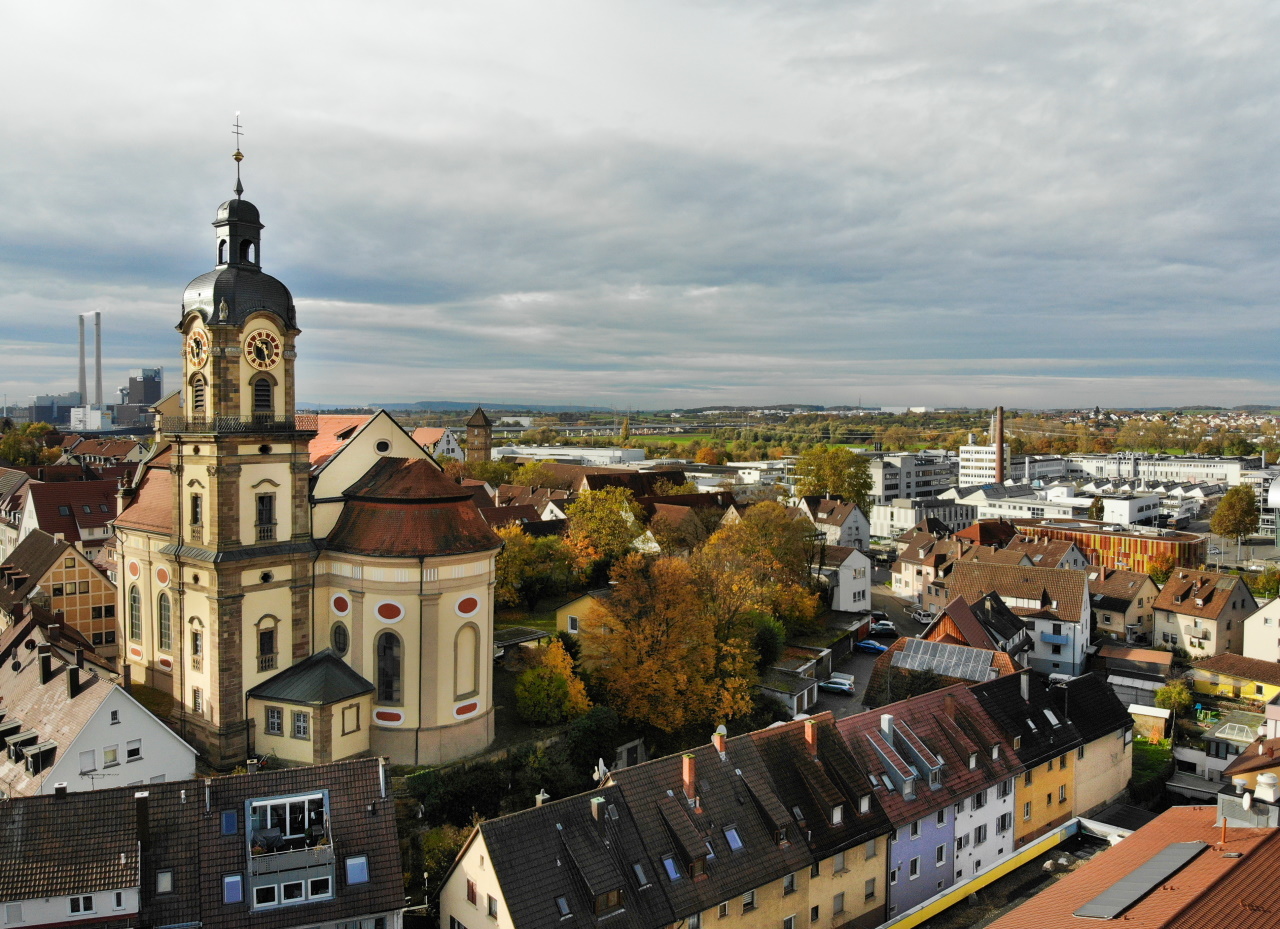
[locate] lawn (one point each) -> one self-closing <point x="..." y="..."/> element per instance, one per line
<point x="1152" y="766"/>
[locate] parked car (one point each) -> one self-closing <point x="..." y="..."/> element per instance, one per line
<point x="836" y="687"/>
<point x="1214" y="550"/>
<point x="871" y="647"/>
<point x="922" y="615"/>
<point x="884" y="627"/>
<point x="878" y="616"/>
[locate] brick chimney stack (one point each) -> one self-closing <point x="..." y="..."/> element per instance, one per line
<point x="719" y="739"/>
<point x="689" y="776"/>
<point x="811" y="736"/>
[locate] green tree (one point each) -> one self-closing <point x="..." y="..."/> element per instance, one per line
<point x="837" y="471"/>
<point x="534" y="474"/>
<point x="529" y="568"/>
<point x="23" y="445"/>
<point x="1237" y="515"/>
<point x="541" y="695"/>
<point x="438" y="848"/>
<point x="625" y="433"/>
<point x="602" y="525"/>
<point x="542" y="435"/>
<point x="1095" y="508"/>
<point x="769" y="640"/>
<point x="1175" y="696"/>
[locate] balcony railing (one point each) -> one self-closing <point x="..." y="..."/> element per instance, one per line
<point x="290" y="860"/>
<point x="267" y="533"/>
<point x="1055" y="639"/>
<point x="253" y="423"/>
<point x="266" y="662"/>
<point x="197" y="662"/>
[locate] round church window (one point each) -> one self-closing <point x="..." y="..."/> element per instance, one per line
<point x="340" y="604"/>
<point x="339" y="639"/>
<point x="467" y="606"/>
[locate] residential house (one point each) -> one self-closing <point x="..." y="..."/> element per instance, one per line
<point x="1104" y="759"/>
<point x="996" y="533"/>
<point x="1260" y="756"/>
<point x="104" y="452"/>
<point x="1048" y="553"/>
<point x="986" y="624"/>
<point x="1202" y="612"/>
<point x="778" y="827"/>
<point x="922" y="560"/>
<point x="1224" y="876"/>
<point x="439" y="442"/>
<point x="62" y="723"/>
<point x="78" y="511"/>
<point x="1237" y="677"/>
<point x="847" y="573"/>
<point x="300" y="847"/>
<point x="1200" y="765"/>
<point x="61" y="578"/>
<point x="944" y="776"/>
<point x="1053" y="602"/>
<point x="1123" y="604"/>
<point x="1045" y="743"/>
<point x="842" y="523"/>
<point x="1262" y="632"/>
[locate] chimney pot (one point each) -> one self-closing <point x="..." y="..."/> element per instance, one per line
<point x="719" y="739"/>
<point x="79" y="657"/>
<point x="688" y="771"/>
<point x="949" y="706"/>
<point x="73" y="682"/>
<point x="46" y="665"/>
<point x="886" y="725"/>
<point x="541" y="797"/>
<point x="597" y="808"/>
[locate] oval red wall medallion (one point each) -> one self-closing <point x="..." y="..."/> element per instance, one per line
<point x="389" y="717"/>
<point x="166" y="663"/>
<point x="135" y="651"/>
<point x="467" y="606"/>
<point x="390" y="612"/>
<point x="162" y="575"/>
<point x="341" y="605"/>
<point x="465" y="709"/>
<point x="134" y="570"/>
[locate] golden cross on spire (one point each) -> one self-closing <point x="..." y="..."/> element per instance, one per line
<point x="238" y="132"/>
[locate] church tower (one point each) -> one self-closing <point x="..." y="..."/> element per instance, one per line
<point x="216" y="592"/>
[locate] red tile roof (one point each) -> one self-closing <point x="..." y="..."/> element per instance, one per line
<point x="1212" y="891"/>
<point x="151" y="509"/>
<point x="332" y="432"/>
<point x="428" y="436"/>
<point x="75" y="497"/>
<point x="407" y="508"/>
<point x="1249" y="669"/>
<point x="1214" y="591"/>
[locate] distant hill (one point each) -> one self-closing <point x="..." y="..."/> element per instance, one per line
<point x="453" y="406"/>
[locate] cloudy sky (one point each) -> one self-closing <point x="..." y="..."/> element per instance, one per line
<point x="656" y="204"/>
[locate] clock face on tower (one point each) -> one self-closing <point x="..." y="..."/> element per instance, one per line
<point x="197" y="348"/>
<point x="262" y="349"/>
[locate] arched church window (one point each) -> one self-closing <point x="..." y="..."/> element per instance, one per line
<point x="197" y="394"/>
<point x="135" y="614"/>
<point x="388" y="648"/>
<point x="164" y="623"/>
<point x="262" y="400"/>
<point x="222" y="252"/>
<point x="466" y="653"/>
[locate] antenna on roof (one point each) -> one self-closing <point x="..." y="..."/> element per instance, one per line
<point x="238" y="132"/>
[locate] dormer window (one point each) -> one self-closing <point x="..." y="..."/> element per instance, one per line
<point x="837" y="814"/>
<point x="608" y="901"/>
<point x="1017" y="742"/>
<point x="731" y="836"/>
<point x="935" y="777"/>
<point x="995" y="752"/>
<point x="973" y="760"/>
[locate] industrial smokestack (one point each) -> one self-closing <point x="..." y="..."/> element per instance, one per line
<point x="84" y="377"/>
<point x="97" y="359"/>
<point x="999" y="445"/>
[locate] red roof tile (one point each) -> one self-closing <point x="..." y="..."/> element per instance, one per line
<point x="332" y="432"/>
<point x="152" y="506"/>
<point x="98" y="498"/>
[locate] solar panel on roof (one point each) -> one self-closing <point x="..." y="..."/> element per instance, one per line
<point x="956" y="661"/>
<point x="1127" y="891"/>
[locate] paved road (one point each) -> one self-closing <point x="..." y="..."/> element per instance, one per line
<point x="859" y="664"/>
<point x="1261" y="551"/>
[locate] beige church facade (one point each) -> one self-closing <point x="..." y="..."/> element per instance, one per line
<point x="308" y="587"/>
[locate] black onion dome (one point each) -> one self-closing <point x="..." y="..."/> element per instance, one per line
<point x="245" y="292"/>
<point x="238" y="211"/>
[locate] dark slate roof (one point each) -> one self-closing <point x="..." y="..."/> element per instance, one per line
<point x="1028" y="719"/>
<point x="479" y="418"/>
<point x="561" y="850"/>
<point x="26" y="564"/>
<point x="244" y="289"/>
<point x="86" y="841"/>
<point x="320" y="680"/>
<point x="1091" y="706"/>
